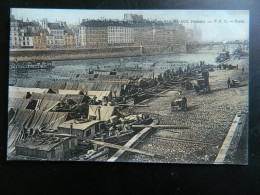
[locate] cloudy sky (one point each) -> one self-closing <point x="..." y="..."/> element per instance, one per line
<point x="221" y="27"/>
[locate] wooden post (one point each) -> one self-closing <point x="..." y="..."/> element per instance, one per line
<point x="71" y="126"/>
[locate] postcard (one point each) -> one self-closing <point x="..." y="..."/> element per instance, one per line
<point x="156" y="86"/>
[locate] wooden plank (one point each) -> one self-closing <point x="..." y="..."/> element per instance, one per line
<point x="121" y="147"/>
<point x="184" y="140"/>
<point x="160" y="126"/>
<point x="133" y="105"/>
<point x="225" y="146"/>
<point x="132" y="142"/>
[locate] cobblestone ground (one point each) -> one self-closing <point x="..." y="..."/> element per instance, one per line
<point x="208" y="118"/>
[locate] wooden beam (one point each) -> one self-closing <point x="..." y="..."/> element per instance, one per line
<point x="226" y="144"/>
<point x="133" y="105"/>
<point x="121" y="147"/>
<point x="160" y="126"/>
<point x="132" y="142"/>
<point x="184" y="140"/>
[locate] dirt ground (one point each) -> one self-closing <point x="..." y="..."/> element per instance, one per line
<point x="208" y="119"/>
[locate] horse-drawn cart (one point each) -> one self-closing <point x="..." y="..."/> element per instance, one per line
<point x="234" y="83"/>
<point x="179" y="104"/>
<point x="202" y="84"/>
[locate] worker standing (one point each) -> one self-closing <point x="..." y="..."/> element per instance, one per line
<point x="112" y="130"/>
<point x="228" y="82"/>
<point x="243" y="69"/>
<point x="184" y="102"/>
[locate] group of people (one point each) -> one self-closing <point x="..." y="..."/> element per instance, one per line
<point x="226" y="66"/>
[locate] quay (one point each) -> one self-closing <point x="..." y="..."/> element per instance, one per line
<point x="134" y="113"/>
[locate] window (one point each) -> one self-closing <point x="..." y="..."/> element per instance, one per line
<point x="88" y="132"/>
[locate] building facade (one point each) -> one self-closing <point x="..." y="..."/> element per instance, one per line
<point x="69" y="40"/>
<point x="39" y="41"/>
<point x="50" y="41"/>
<point x="120" y="35"/>
<point x="26" y="40"/>
<point x="57" y="30"/>
<point x="82" y="39"/>
<point x="96" y="34"/>
<point x="14" y="33"/>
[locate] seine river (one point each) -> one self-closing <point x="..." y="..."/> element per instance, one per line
<point x="70" y="68"/>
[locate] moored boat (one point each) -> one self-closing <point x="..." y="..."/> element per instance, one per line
<point x="30" y="65"/>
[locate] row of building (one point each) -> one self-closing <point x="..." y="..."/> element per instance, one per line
<point x="40" y="36"/>
<point x="132" y="31"/>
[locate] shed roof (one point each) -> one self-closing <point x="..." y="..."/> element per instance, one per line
<point x="47" y="96"/>
<point x="105" y="111"/>
<point x="17" y="121"/>
<point x="21" y="117"/>
<point x="77" y="125"/>
<point x="76" y="98"/>
<point x="101" y="86"/>
<point x="51" y="84"/>
<point x="25" y="83"/>
<point x="19" y="94"/>
<point x="18" y="103"/>
<point x="49" y="120"/>
<point x="31" y="90"/>
<point x="46" y="105"/>
<point x="72" y="85"/>
<point x="57" y="97"/>
<point x="98" y="94"/>
<point x="71" y="92"/>
<point x="44" y="142"/>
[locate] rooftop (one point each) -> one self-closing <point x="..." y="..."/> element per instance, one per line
<point x="31" y="24"/>
<point x="44" y="142"/>
<point x="56" y="26"/>
<point x="78" y="124"/>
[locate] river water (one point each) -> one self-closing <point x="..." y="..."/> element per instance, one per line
<point x="70" y="68"/>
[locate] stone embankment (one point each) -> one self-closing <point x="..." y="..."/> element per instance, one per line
<point x="83" y="53"/>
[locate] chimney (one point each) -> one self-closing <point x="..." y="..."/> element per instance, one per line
<point x="71" y="126"/>
<point x="99" y="113"/>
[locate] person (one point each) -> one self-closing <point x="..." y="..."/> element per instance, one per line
<point x="237" y="66"/>
<point x="184" y="102"/>
<point x="228" y="82"/>
<point x="112" y="129"/>
<point x="243" y="69"/>
<point x="93" y="101"/>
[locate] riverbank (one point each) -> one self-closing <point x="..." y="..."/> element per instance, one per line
<point x="24" y="55"/>
<point x="209" y="117"/>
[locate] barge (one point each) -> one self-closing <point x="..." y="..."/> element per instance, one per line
<point x="31" y="65"/>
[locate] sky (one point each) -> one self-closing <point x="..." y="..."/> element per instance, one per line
<point x="220" y="29"/>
